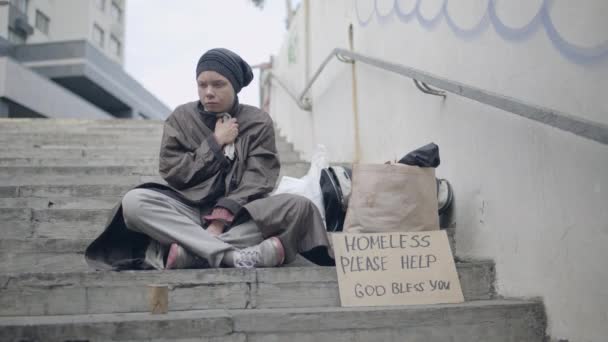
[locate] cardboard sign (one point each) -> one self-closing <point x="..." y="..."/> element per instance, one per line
<point x="396" y="269"/>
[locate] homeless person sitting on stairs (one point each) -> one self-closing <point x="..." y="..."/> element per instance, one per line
<point x="220" y="161"/>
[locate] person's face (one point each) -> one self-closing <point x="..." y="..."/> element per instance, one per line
<point x="215" y="91"/>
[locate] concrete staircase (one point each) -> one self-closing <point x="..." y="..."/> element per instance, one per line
<point x="58" y="181"/>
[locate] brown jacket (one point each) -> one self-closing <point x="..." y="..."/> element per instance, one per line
<point x="195" y="167"/>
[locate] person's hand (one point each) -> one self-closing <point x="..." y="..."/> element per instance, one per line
<point x="226" y="132"/>
<point x="215" y="228"/>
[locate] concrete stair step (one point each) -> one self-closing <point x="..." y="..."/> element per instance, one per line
<point x="55" y="192"/>
<point x="77" y="151"/>
<point x="49" y="259"/>
<point x="290" y="157"/>
<point x="25" y="132"/>
<point x="25" y="149"/>
<point x="65" y="124"/>
<point x="112" y="170"/>
<point x="62" y="180"/>
<point x="85" y="139"/>
<point x="63" y="137"/>
<point x="23" y="223"/>
<point x="43" y="262"/>
<point x="33" y="145"/>
<point x="6" y="172"/>
<point x="66" y="192"/>
<point x="124" y="135"/>
<point x="77" y="179"/>
<point x="88" y="160"/>
<point x="88" y="130"/>
<point x="25" y="246"/>
<point x="76" y="292"/>
<point x="80" y="129"/>
<point x="8" y="123"/>
<point x="118" y="175"/>
<point x="495" y="320"/>
<point x="108" y="127"/>
<point x="52" y="125"/>
<point x="127" y="135"/>
<point x="45" y="161"/>
<point x="60" y="203"/>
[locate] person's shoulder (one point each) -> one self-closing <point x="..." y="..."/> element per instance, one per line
<point x="183" y="111"/>
<point x="254" y="114"/>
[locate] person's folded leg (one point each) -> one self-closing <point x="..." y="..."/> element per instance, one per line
<point x="293" y="219"/>
<point x="168" y="221"/>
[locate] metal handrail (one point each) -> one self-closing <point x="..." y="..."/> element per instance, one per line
<point x="582" y="127"/>
<point x="307" y="106"/>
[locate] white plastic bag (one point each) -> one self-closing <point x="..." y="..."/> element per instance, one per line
<point x="308" y="186"/>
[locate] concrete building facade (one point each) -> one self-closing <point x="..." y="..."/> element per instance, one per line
<point x="77" y="47"/>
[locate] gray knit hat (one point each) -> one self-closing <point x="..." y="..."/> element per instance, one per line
<point x="227" y="64"/>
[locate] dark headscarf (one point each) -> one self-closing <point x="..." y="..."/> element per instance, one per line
<point x="227" y="64"/>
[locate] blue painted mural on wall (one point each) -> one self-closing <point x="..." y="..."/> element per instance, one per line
<point x="575" y="53"/>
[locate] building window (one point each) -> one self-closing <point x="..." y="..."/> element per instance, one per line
<point x="16" y="37"/>
<point x="116" y="12"/>
<point x="21" y="5"/>
<point x="42" y="22"/>
<point x="101" y="5"/>
<point x="115" y="46"/>
<point x="98" y="35"/>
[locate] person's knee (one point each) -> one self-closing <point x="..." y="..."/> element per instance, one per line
<point x="300" y="204"/>
<point x="132" y="205"/>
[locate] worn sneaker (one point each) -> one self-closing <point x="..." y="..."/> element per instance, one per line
<point x="268" y="253"/>
<point x="179" y="258"/>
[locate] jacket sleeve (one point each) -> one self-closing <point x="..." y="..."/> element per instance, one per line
<point x="183" y="167"/>
<point x="261" y="171"/>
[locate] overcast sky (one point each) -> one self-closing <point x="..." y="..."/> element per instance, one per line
<point x="164" y="40"/>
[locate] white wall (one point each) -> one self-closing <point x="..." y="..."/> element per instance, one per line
<point x="290" y="66"/>
<point x="528" y="196"/>
<point x="332" y="94"/>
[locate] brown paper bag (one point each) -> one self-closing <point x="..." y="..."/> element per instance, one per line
<point x="392" y="198"/>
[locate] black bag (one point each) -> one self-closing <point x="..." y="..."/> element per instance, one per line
<point x="336" y="188"/>
<point x="425" y="156"/>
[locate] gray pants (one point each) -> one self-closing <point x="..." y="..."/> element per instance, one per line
<point x="167" y="220"/>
